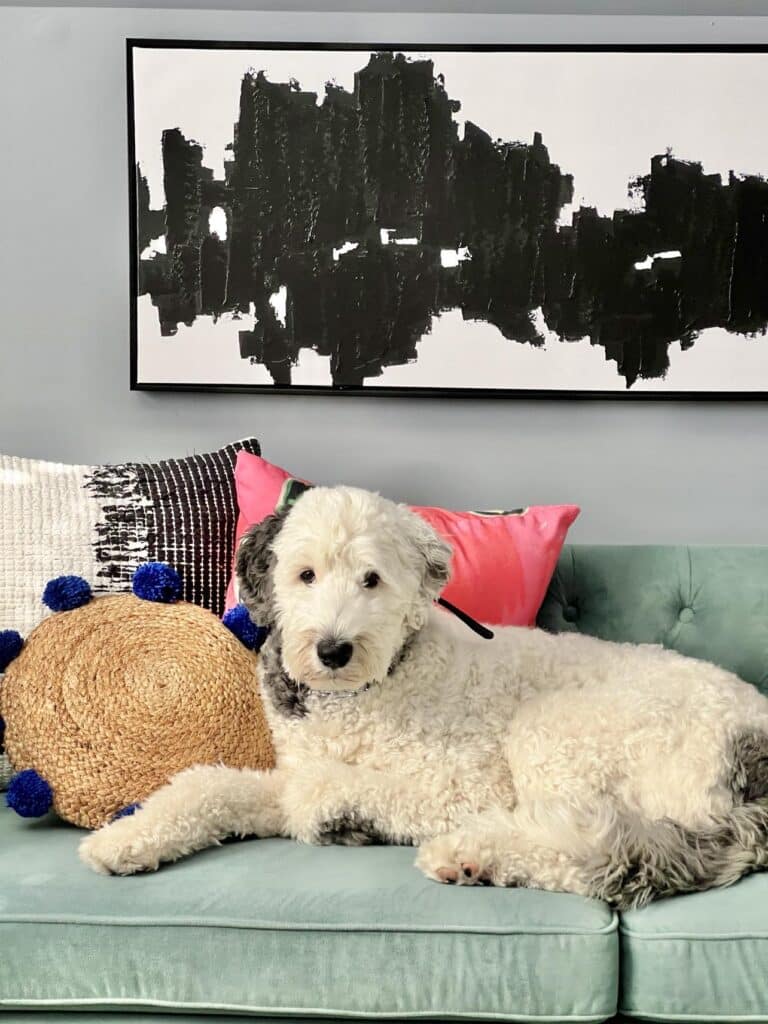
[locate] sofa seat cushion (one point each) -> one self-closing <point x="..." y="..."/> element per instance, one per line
<point x="698" y="957"/>
<point x="271" y="927"/>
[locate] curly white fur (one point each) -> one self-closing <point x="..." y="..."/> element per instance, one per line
<point x="560" y="762"/>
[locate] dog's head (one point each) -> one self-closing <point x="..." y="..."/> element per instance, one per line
<point x="345" y="577"/>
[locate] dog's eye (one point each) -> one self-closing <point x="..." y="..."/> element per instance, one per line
<point x="372" y="579"/>
<point x="308" y="576"/>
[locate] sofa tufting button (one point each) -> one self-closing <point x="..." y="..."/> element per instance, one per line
<point x="686" y="615"/>
<point x="570" y="613"/>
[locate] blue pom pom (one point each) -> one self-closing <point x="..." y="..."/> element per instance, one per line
<point x="29" y="794"/>
<point x="66" y="592"/>
<point x="10" y="647"/>
<point x="156" y="581"/>
<point x="126" y="812"/>
<point x="238" y="621"/>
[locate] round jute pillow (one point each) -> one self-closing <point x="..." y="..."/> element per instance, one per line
<point x="107" y="701"/>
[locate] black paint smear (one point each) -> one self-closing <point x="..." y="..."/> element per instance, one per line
<point x="151" y="223"/>
<point x="306" y="178"/>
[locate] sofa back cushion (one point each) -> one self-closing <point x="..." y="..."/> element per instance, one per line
<point x="706" y="602"/>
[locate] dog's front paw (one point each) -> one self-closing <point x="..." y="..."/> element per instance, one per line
<point x="119" y="849"/>
<point x="454" y="860"/>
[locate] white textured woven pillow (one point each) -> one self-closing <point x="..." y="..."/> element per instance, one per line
<point x="100" y="522"/>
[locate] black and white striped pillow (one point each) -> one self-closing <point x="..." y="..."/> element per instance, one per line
<point x="100" y="522"/>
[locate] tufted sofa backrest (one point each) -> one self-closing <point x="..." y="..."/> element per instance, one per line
<point x="707" y="602"/>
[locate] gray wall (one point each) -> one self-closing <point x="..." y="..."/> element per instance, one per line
<point x="610" y="7"/>
<point x="655" y="471"/>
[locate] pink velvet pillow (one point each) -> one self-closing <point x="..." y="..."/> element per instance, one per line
<point x="502" y="562"/>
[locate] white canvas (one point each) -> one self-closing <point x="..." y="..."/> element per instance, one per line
<point x="602" y="116"/>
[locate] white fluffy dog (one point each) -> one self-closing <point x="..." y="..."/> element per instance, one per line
<point x="559" y="762"/>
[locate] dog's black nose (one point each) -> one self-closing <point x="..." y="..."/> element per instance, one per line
<point x="334" y="654"/>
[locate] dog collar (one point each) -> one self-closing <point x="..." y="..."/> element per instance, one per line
<point x="340" y="694"/>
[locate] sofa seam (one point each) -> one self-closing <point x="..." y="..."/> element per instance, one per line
<point x="283" y="1011"/>
<point x="277" y="926"/>
<point x="688" y="937"/>
<point x="663" y="1015"/>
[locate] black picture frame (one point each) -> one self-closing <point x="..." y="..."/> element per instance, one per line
<point x="617" y="395"/>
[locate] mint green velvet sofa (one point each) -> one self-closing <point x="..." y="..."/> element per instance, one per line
<point x="274" y="929"/>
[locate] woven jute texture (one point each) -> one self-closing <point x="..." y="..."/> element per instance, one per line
<point x="108" y="701"/>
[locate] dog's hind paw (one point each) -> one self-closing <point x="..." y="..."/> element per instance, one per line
<point x="468" y="873"/>
<point x="449" y="859"/>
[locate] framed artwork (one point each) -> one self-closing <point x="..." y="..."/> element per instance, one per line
<point x="488" y="220"/>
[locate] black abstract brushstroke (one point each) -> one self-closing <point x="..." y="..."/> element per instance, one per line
<point x="305" y="178"/>
<point x="151" y="223"/>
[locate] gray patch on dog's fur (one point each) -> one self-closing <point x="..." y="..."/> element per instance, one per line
<point x="436" y="555"/>
<point x="649" y="860"/>
<point x="750" y="766"/>
<point x="254" y="564"/>
<point x="350" y="828"/>
<point x="287" y="696"/>
<point x="402" y="654"/>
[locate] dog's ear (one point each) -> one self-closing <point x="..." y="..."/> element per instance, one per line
<point x="435" y="554"/>
<point x="254" y="563"/>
